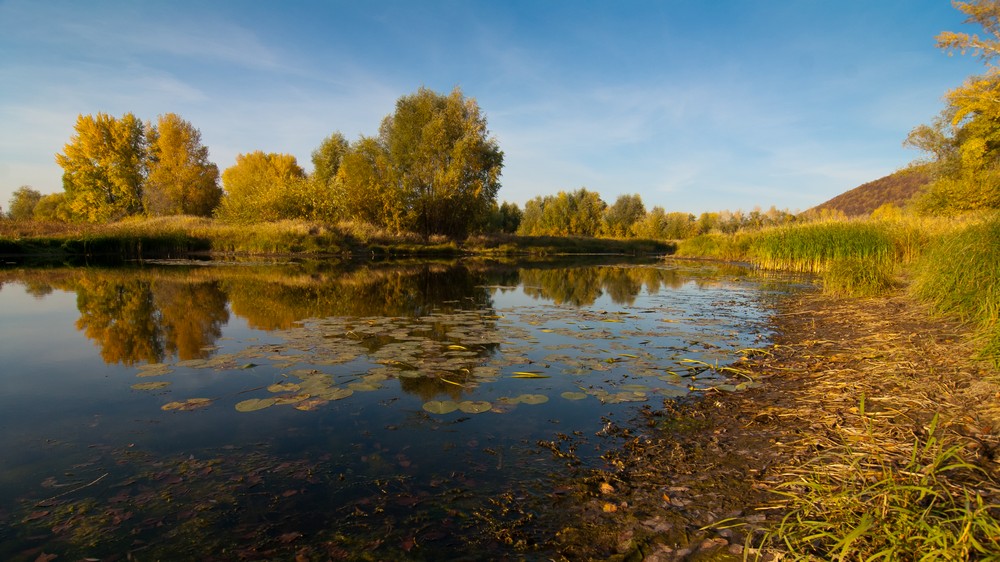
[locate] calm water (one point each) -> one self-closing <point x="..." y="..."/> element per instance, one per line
<point x="415" y="410"/>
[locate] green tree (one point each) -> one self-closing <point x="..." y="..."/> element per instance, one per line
<point x="620" y="217"/>
<point x="510" y="217"/>
<point x="181" y="180"/>
<point x="23" y="202"/>
<point x="104" y="167"/>
<point x="445" y="164"/>
<point x="261" y="187"/>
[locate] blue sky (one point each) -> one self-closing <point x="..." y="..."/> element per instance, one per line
<point x="696" y="105"/>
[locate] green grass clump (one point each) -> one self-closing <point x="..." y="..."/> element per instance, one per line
<point x="959" y="275"/>
<point x="858" y="505"/>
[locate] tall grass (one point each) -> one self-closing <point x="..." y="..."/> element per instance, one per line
<point x="814" y="247"/>
<point x="959" y="275"/>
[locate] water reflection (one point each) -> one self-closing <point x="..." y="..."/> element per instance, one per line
<point x="368" y="411"/>
<point x="158" y="313"/>
<point x="134" y="320"/>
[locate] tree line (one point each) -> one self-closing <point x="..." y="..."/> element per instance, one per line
<point x="432" y="168"/>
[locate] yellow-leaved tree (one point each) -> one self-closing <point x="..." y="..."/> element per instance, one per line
<point x="181" y="180"/>
<point x="964" y="142"/>
<point x="261" y="187"/>
<point x="104" y="167"/>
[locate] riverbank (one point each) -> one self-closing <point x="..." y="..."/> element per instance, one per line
<point x="853" y="438"/>
<point x="182" y="237"/>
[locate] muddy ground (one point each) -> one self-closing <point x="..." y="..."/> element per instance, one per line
<point x="696" y="480"/>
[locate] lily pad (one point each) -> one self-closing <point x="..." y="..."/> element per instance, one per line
<point x="440" y="406"/>
<point x="474" y="407"/>
<point x="311" y="404"/>
<point x="187" y="405"/>
<point x="254" y="404"/>
<point x="154" y="370"/>
<point x="532" y="399"/>
<point x="150" y="385"/>
<point x="283" y="387"/>
<point x="573" y="395"/>
<point x="364" y="386"/>
<point x="291" y="398"/>
<point x="335" y="394"/>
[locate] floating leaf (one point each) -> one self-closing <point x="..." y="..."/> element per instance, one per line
<point x="311" y="404"/>
<point x="532" y="399"/>
<point x="440" y="406"/>
<point x="335" y="394"/>
<point x="255" y="404"/>
<point x="154" y="370"/>
<point x="364" y="386"/>
<point x="457" y="347"/>
<point x="573" y="395"/>
<point x="529" y="375"/>
<point x="283" y="387"/>
<point x="471" y="407"/>
<point x="150" y="385"/>
<point x="291" y="398"/>
<point x="187" y="405"/>
<point x="674" y="391"/>
<point x="634" y="387"/>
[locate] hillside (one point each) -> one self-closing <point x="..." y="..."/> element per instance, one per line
<point x="896" y="188"/>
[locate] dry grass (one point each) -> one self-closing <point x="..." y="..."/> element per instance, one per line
<point x="897" y="428"/>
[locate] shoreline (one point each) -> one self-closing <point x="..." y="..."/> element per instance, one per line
<point x="703" y="479"/>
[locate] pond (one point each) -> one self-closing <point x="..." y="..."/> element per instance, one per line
<point x="313" y="411"/>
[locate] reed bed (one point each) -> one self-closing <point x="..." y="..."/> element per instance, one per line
<point x="959" y="275"/>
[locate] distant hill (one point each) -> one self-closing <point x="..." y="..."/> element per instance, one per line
<point x="896" y="188"/>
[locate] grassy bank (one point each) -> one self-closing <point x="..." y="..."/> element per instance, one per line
<point x="870" y="490"/>
<point x="954" y="265"/>
<point x="180" y="236"/>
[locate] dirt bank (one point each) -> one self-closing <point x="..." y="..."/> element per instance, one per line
<point x="697" y="478"/>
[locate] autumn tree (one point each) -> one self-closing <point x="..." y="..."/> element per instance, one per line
<point x="181" y="180"/>
<point x="964" y="142"/>
<point x="261" y="187"/>
<point x="327" y="157"/>
<point x="620" y="217"/>
<point x="104" y="167"/>
<point x="443" y="161"/>
<point x="577" y="213"/>
<point x="366" y="187"/>
<point x="53" y="207"/>
<point x="23" y="202"/>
